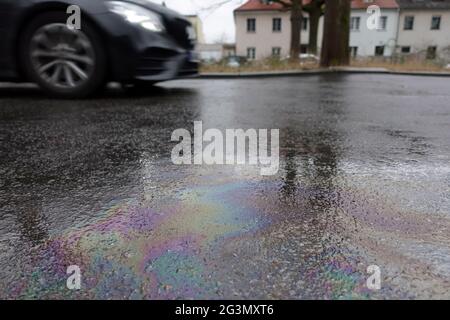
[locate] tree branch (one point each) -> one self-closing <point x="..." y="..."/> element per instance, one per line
<point x="314" y="5"/>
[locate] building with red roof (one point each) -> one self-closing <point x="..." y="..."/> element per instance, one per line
<point x="377" y="28"/>
<point x="263" y="29"/>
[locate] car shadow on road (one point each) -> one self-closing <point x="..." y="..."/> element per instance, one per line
<point x="113" y="91"/>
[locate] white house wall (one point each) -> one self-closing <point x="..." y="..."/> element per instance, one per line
<point x="366" y="40"/>
<point x="264" y="39"/>
<point x="393" y="38"/>
<point x="421" y="37"/>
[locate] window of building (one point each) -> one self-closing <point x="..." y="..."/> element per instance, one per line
<point x="303" y="49"/>
<point x="251" y="53"/>
<point x="409" y="23"/>
<point x="305" y="24"/>
<point x="379" y="51"/>
<point x="383" y="23"/>
<point x="431" y="52"/>
<point x="276" y="25"/>
<point x="436" y="23"/>
<point x="276" y="51"/>
<point x="406" y="49"/>
<point x="353" y="52"/>
<point x="355" y="23"/>
<point x="251" y="25"/>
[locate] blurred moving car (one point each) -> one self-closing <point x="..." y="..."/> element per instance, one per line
<point x="130" y="42"/>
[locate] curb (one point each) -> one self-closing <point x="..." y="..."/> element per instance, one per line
<point x="344" y="70"/>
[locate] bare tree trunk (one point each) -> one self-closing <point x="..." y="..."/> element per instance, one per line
<point x="315" y="11"/>
<point x="296" y="22"/>
<point x="335" y="47"/>
<point x="314" y="18"/>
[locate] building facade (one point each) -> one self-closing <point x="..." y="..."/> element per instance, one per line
<point x="264" y="30"/>
<point x="404" y="27"/>
<point x="215" y="52"/>
<point x="424" y="28"/>
<point x="367" y="39"/>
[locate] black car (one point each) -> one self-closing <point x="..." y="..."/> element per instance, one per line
<point x="128" y="41"/>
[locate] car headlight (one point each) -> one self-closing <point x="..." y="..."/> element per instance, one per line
<point x="135" y="14"/>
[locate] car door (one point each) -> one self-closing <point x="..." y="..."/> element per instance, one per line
<point x="8" y="13"/>
<point x="5" y="7"/>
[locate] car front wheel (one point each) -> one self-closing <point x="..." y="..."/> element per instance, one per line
<point x="67" y="63"/>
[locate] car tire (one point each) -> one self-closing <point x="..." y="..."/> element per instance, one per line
<point x="65" y="63"/>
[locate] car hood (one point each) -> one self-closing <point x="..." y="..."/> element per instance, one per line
<point x="168" y="13"/>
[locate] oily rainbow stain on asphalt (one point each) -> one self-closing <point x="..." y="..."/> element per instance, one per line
<point x="226" y="237"/>
<point x="136" y="252"/>
<point x="170" y="252"/>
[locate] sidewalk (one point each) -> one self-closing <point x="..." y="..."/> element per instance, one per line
<point x="226" y="75"/>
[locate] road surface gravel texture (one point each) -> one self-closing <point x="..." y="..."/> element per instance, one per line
<point x="364" y="180"/>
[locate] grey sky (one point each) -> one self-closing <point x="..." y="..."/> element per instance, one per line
<point x="218" y="21"/>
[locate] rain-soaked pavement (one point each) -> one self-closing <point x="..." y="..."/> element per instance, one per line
<point x="364" y="180"/>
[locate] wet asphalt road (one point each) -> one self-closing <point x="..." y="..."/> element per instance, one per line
<point x="364" y="180"/>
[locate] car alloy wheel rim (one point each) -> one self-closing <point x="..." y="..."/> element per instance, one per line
<point x="62" y="57"/>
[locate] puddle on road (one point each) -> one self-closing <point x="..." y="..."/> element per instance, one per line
<point x="364" y="180"/>
<point x="234" y="236"/>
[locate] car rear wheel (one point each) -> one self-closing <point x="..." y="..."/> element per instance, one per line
<point x="64" y="62"/>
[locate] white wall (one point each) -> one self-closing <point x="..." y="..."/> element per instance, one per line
<point x="264" y="39"/>
<point x="421" y="37"/>
<point x="210" y="55"/>
<point x="366" y="40"/>
<point x="210" y="52"/>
